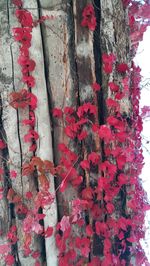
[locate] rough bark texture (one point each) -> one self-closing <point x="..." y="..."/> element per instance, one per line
<point x="68" y="61"/>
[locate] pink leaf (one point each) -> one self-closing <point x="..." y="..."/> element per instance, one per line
<point x="29" y="195"/>
<point x="17" y="2"/>
<point x="85" y="164"/>
<point x="89" y="230"/>
<point x="122" y="68"/>
<point x="13" y="174"/>
<point x="48" y="232"/>
<point x="5" y="248"/>
<point x="89" y="19"/>
<point x="2" y="144"/>
<point x="65" y="223"/>
<point x="94" y="158"/>
<point x="10" y="260"/>
<point x="96" y="87"/>
<point x="57" y="112"/>
<point x="32" y="135"/>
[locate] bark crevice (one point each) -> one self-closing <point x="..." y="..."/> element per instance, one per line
<point x="7" y="185"/>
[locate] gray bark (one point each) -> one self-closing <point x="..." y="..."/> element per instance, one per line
<point x="68" y="61"/>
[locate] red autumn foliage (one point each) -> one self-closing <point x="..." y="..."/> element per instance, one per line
<point x="85" y="164"/>
<point x="57" y="112"/>
<point x="145" y="112"/>
<point x="108" y="61"/>
<point x="24" y="18"/>
<point x="122" y="68"/>
<point x="114" y="87"/>
<point x="96" y="87"/>
<point x="2" y="144"/>
<point x="86" y="109"/>
<point x="48" y="232"/>
<point x="94" y="158"/>
<point x="32" y="135"/>
<point x="18" y="3"/>
<point x="22" y="99"/>
<point x="27" y="64"/>
<point x="105" y="133"/>
<point x="23" y="35"/>
<point x="83" y="244"/>
<point x="89" y="19"/>
<point x="29" y="80"/>
<point x="9" y="259"/>
<point x="120" y="146"/>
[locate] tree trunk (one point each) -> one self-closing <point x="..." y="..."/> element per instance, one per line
<point x="68" y="61"/>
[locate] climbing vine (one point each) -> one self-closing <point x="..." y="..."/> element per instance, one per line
<point x="111" y="202"/>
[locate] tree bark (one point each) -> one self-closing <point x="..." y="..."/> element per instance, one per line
<point x="68" y="61"/>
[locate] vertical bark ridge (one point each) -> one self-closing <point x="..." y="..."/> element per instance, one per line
<point x="43" y="127"/>
<point x="114" y="39"/>
<point x="62" y="87"/>
<point x="88" y="58"/>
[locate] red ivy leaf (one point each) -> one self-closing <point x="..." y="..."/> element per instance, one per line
<point x="126" y="2"/>
<point x="48" y="232"/>
<point x="71" y="131"/>
<point x="65" y="223"/>
<point x="17" y="2"/>
<point x="5" y="248"/>
<point x="28" y="169"/>
<point x="107" y="68"/>
<point x="77" y="181"/>
<point x="89" y="230"/>
<point x="108" y="58"/>
<point x="132" y="239"/>
<point x="29" y="195"/>
<point x="82" y="135"/>
<point x="36" y="254"/>
<point x="2" y="144"/>
<point x="27" y="64"/>
<point x="121" y="161"/>
<point x="57" y="112"/>
<point x="22" y="99"/>
<point x="86" y="108"/>
<point x="87" y="193"/>
<point x="94" y="158"/>
<point x="114" y="87"/>
<point x="24" y="17"/>
<point x="62" y="147"/>
<point x="113" y="104"/>
<point x="37" y="263"/>
<point x="85" y="164"/>
<point x="89" y="19"/>
<point x="83" y="244"/>
<point x="69" y="110"/>
<point x="96" y="87"/>
<point x="33" y="147"/>
<point x="110" y="208"/>
<point x="105" y="133"/>
<point x="145" y="111"/>
<point x="101" y="228"/>
<point x="10" y="260"/>
<point x="13" y="174"/>
<point x="122" y="68"/>
<point x="24" y="36"/>
<point x="95" y="128"/>
<point x="94" y="262"/>
<point x="29" y="80"/>
<point x="32" y="135"/>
